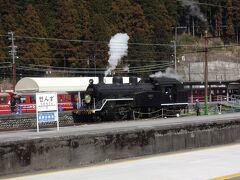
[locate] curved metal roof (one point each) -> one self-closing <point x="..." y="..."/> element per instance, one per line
<point x="65" y="84"/>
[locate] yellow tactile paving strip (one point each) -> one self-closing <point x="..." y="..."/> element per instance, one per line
<point x="235" y="176"/>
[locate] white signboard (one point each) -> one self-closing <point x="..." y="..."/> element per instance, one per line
<point x="46" y="108"/>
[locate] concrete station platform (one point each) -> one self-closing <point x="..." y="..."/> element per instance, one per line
<point x="164" y="123"/>
<point x="28" y="151"/>
<point x="215" y="163"/>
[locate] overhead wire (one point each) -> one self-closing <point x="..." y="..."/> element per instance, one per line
<point x="213" y="5"/>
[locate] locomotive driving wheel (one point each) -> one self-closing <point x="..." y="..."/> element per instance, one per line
<point x="137" y="113"/>
<point x="120" y="113"/>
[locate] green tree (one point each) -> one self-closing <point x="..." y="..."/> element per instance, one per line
<point x="218" y="20"/>
<point x="129" y="18"/>
<point x="3" y="48"/>
<point x="66" y="28"/>
<point x="236" y="17"/>
<point x="94" y="32"/>
<point x="32" y="50"/>
<point x="8" y="22"/>
<point x="100" y="34"/>
<point x="230" y="28"/>
<point x="159" y="19"/>
<point x="174" y="10"/>
<point x="9" y="14"/>
<point x="2" y="53"/>
<point x="4" y="59"/>
<point x="101" y="7"/>
<point x="83" y="21"/>
<point x="162" y="26"/>
<point x="46" y="13"/>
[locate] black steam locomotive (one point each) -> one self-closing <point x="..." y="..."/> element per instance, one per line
<point x="119" y="101"/>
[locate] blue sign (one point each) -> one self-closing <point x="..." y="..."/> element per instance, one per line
<point x="46" y="116"/>
<point x="47" y="108"/>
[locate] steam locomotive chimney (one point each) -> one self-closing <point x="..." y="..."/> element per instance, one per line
<point x="133" y="80"/>
<point x="117" y="80"/>
<point x="100" y="79"/>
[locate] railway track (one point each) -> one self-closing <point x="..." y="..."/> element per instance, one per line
<point x="9" y="122"/>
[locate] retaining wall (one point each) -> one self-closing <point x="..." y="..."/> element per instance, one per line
<point x="82" y="149"/>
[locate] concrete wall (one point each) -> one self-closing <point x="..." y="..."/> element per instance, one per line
<point x="218" y="69"/>
<point x="77" y="150"/>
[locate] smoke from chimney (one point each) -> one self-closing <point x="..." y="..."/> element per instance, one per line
<point x="170" y="73"/>
<point x="194" y="9"/>
<point x="118" y="47"/>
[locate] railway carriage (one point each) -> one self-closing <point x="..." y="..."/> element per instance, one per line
<point x="27" y="102"/>
<point x="4" y="103"/>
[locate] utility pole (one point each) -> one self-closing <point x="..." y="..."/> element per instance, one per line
<point x="94" y="58"/>
<point x="193" y="27"/>
<point x="13" y="54"/>
<point x="206" y="76"/>
<point x="189" y="71"/>
<point x="175" y="55"/>
<point x="175" y="44"/>
<point x="176" y="31"/>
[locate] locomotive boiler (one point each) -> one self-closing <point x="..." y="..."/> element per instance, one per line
<point x="119" y="101"/>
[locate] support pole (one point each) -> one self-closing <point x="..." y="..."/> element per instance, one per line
<point x="206" y="77"/>
<point x="175" y="54"/>
<point x="13" y="54"/>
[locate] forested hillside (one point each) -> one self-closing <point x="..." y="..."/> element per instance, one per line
<point x="70" y="37"/>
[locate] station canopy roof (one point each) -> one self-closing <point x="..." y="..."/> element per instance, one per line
<point x="56" y="84"/>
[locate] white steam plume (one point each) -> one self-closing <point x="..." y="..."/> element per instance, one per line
<point x="170" y="73"/>
<point x="194" y="9"/>
<point x="126" y="68"/>
<point x="118" y="47"/>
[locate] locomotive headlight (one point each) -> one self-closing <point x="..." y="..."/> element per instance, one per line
<point x="87" y="98"/>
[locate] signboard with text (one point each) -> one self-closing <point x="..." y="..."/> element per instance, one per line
<point x="46" y="108"/>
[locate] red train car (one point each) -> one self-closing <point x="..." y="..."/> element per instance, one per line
<point x="4" y="103"/>
<point x="67" y="101"/>
<point x="217" y="91"/>
<point x="26" y="102"/>
<point x="66" y="88"/>
<point x="214" y="94"/>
